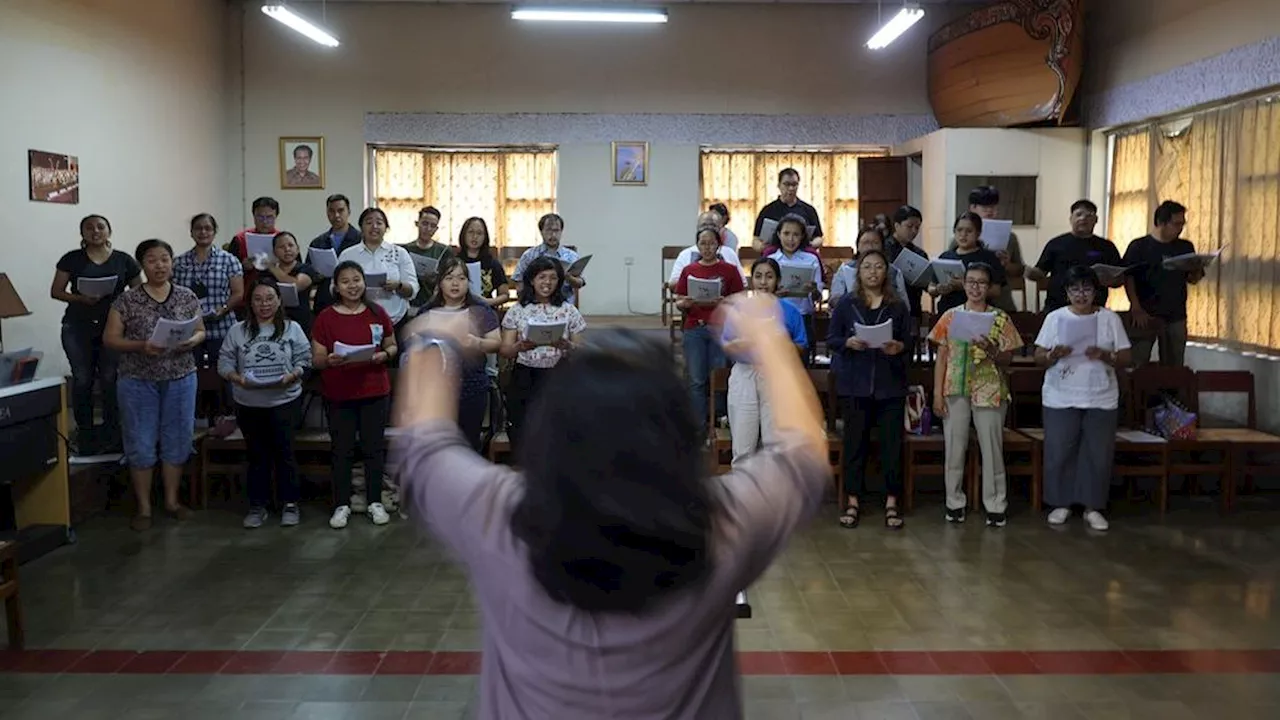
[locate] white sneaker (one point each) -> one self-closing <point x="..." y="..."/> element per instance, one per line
<point x="378" y="514"/>
<point x="1059" y="516"/>
<point x="340" y="517"/>
<point x="1096" y="521"/>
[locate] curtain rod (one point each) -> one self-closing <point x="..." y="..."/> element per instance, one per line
<point x="1268" y="95"/>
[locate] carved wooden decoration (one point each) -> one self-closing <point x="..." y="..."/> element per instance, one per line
<point x="1008" y="64"/>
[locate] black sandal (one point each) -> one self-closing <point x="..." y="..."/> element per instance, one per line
<point x="893" y="518"/>
<point x="849" y="520"/>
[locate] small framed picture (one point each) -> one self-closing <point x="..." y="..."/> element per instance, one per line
<point x="630" y="163"/>
<point x="55" y="177"/>
<point x="302" y="163"/>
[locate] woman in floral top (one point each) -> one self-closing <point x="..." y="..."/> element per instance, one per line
<point x="969" y="382"/>
<point x="157" y="384"/>
<point x="542" y="302"/>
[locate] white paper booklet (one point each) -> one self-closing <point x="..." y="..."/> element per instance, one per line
<point x="1078" y="332"/>
<point x="172" y="333"/>
<point x="794" y="277"/>
<point x="702" y="289"/>
<point x="475" y="276"/>
<point x="288" y="294"/>
<point x="875" y="336"/>
<point x="947" y="270"/>
<point x="354" y="353"/>
<point x="576" y="267"/>
<point x="540" y="333"/>
<point x="1192" y="261"/>
<point x="767" y="228"/>
<point x="424" y="266"/>
<point x="914" y="268"/>
<point x="1108" y="273"/>
<point x="259" y="244"/>
<point x="995" y="234"/>
<point x="967" y="326"/>
<point x="373" y="283"/>
<point x="97" y="287"/>
<point x="323" y="261"/>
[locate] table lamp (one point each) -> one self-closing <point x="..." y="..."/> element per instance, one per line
<point x="11" y="305"/>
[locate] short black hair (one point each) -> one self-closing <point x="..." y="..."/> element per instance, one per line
<point x="1086" y="204"/>
<point x="905" y="213"/>
<point x="335" y="198"/>
<point x="627" y="523"/>
<point x="147" y="246"/>
<point x="429" y="210"/>
<point x="550" y="217"/>
<point x="541" y="264"/>
<point x="1166" y="211"/>
<point x="1081" y="274"/>
<point x="265" y="202"/>
<point x="984" y="196"/>
<point x="198" y="218"/>
<point x="720" y="209"/>
<point x="980" y="267"/>
<point x="370" y="211"/>
<point x="974" y="218"/>
<point x="784" y="172"/>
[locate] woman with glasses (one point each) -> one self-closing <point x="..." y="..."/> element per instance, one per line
<point x="1081" y="346"/>
<point x="969" y="383"/>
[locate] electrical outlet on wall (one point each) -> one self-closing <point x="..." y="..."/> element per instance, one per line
<point x="628" y="261"/>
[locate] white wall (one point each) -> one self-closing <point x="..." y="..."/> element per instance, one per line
<point x="1055" y="155"/>
<point x="133" y="91"/>
<point x="710" y="59"/>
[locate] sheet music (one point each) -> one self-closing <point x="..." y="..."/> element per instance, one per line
<point x="967" y="326"/>
<point x="475" y="276"/>
<point x="288" y="294"/>
<point x="702" y="289"/>
<point x="424" y="266"/>
<point x="767" y="228"/>
<point x="99" y="287"/>
<point x="914" y="268"/>
<point x="258" y="244"/>
<point x="1078" y="332"/>
<point x="1192" y="261"/>
<point x="995" y="234"/>
<point x="946" y="270"/>
<point x="373" y="283"/>
<point x="794" y="277"/>
<point x="875" y="336"/>
<point x="544" y="333"/>
<point x="578" y="266"/>
<point x="323" y="260"/>
<point x="172" y="333"/>
<point x="1108" y="273"/>
<point x="354" y="353"/>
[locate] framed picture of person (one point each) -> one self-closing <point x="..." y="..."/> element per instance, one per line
<point x="630" y="163"/>
<point x="302" y="163"/>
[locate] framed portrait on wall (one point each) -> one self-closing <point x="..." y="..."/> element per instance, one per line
<point x="630" y="163"/>
<point x="302" y="163"/>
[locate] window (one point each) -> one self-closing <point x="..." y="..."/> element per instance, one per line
<point x="509" y="187"/>
<point x="1017" y="195"/>
<point x="1224" y="165"/>
<point x="747" y="180"/>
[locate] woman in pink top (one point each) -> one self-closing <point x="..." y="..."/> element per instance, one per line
<point x="606" y="568"/>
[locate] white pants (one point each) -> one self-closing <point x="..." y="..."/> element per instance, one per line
<point x="750" y="417"/>
<point x="989" y="424"/>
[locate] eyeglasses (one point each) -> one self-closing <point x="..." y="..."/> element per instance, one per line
<point x="977" y="283"/>
<point x="1081" y="290"/>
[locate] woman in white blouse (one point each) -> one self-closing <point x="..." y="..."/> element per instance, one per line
<point x="541" y="304"/>
<point x="378" y="257"/>
<point x="1081" y="345"/>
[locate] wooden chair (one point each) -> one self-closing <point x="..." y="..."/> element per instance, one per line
<point x="1028" y="325"/>
<point x="1025" y="387"/>
<point x="669" y="253"/>
<point x="1020" y="460"/>
<point x="1244" y="444"/>
<point x="9" y="593"/>
<point x="720" y="438"/>
<point x="921" y="452"/>
<point x="1018" y="288"/>
<point x="824" y="382"/>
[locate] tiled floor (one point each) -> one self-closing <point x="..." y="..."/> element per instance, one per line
<point x="1152" y="620"/>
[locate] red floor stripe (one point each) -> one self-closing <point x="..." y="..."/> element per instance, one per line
<point x="278" y="662"/>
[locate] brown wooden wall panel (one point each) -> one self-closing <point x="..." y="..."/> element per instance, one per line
<point x="1010" y="63"/>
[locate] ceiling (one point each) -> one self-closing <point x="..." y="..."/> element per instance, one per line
<point x="888" y="4"/>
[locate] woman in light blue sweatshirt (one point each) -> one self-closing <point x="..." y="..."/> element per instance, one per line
<point x="265" y="358"/>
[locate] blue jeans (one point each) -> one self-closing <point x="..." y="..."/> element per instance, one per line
<point x="155" y="414"/>
<point x="702" y="354"/>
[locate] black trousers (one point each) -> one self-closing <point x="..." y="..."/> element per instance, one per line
<point x="357" y="431"/>
<point x="862" y="416"/>
<point x="525" y="382"/>
<point x="268" y="440"/>
<point x="91" y="361"/>
<point x="471" y="417"/>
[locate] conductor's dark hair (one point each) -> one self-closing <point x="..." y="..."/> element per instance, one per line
<point x="614" y="521"/>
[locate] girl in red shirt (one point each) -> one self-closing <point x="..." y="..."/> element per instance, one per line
<point x="702" y="352"/>
<point x="356" y="387"/>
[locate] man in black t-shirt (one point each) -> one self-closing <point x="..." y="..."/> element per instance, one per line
<point x="787" y="203"/>
<point x="1158" y="295"/>
<point x="1078" y="247"/>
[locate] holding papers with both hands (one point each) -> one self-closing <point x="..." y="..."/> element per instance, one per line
<point x="795" y="277"/>
<point x="1078" y="332"/>
<point x="97" y="287"/>
<point x="875" y="336"/>
<point x="702" y="290"/>
<point x="544" y="333"/>
<point x="967" y="326"/>
<point x="172" y="333"/>
<point x="1192" y="261"/>
<point x="354" y="353"/>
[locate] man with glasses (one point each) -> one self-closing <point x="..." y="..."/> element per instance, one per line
<point x="788" y="203"/>
<point x="1072" y="249"/>
<point x="265" y="212"/>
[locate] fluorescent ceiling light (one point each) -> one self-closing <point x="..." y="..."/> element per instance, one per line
<point x="906" y="17"/>
<point x="592" y="16"/>
<point x="300" y="24"/>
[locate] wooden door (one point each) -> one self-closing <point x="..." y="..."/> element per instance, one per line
<point x="882" y="186"/>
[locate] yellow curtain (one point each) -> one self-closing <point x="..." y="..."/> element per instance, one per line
<point x="1129" y="212"/>
<point x="746" y="181"/>
<point x="509" y="189"/>
<point x="1224" y="166"/>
